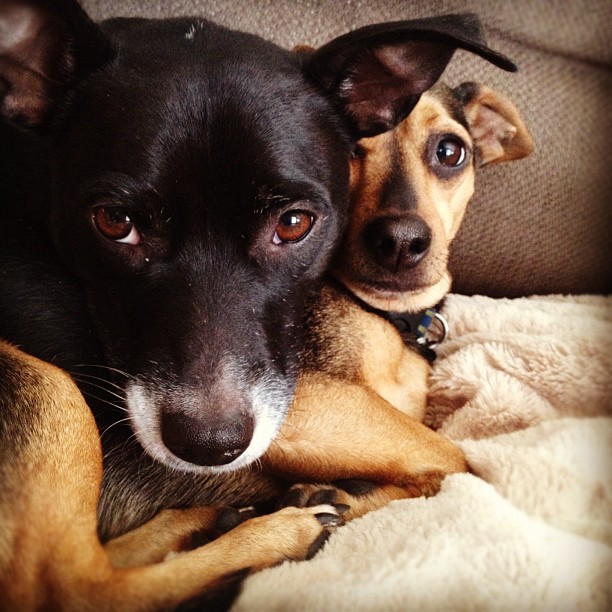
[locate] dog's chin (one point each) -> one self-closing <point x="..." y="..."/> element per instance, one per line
<point x="144" y="417"/>
<point x="392" y="298"/>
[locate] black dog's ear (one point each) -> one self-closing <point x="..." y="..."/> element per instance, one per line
<point x="45" y="47"/>
<point x="377" y="73"/>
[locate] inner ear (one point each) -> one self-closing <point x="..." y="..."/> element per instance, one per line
<point x="376" y="74"/>
<point x="384" y="84"/>
<point x="44" y="48"/>
<point x="28" y="58"/>
<point x="498" y="130"/>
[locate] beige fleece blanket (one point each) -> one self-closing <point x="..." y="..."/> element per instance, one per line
<point x="524" y="386"/>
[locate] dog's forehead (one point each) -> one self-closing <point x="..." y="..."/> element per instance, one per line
<point x="190" y="64"/>
<point x="443" y="102"/>
<point x="437" y="111"/>
<point x="186" y="99"/>
<point x="188" y="41"/>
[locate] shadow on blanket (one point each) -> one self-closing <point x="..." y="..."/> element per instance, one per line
<point x="524" y="386"/>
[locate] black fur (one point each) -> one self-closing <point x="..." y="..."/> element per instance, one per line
<point x="205" y="141"/>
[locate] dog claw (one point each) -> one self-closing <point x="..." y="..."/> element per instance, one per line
<point x="324" y="496"/>
<point x="328" y="519"/>
<point x="342" y="508"/>
<point x="317" y="545"/>
<point x="303" y="496"/>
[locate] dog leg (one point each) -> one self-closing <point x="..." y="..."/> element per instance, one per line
<point x="50" y="469"/>
<point x="170" y="531"/>
<point x="289" y="534"/>
<point x="174" y="531"/>
<point x="339" y="430"/>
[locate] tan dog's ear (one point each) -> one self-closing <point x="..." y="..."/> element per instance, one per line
<point x="495" y="124"/>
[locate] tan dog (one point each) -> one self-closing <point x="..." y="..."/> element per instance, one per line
<point x="363" y="389"/>
<point x="410" y="189"/>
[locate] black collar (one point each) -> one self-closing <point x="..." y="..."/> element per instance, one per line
<point x="415" y="328"/>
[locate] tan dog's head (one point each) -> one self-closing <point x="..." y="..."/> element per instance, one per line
<point x="410" y="189"/>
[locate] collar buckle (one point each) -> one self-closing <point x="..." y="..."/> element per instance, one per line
<point x="426" y="334"/>
<point x="427" y="329"/>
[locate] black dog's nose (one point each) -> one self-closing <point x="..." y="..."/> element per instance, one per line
<point x="397" y="243"/>
<point x="203" y="442"/>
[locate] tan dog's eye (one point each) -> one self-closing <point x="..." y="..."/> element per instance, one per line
<point x="450" y="152"/>
<point x="114" y="223"/>
<point x="293" y="226"/>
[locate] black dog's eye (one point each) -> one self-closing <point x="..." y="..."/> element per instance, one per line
<point x="114" y="223"/>
<point x="451" y="152"/>
<point x="293" y="226"/>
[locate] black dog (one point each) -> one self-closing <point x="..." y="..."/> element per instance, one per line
<point x="161" y="231"/>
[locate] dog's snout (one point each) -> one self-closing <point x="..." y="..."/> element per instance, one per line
<point x="397" y="243"/>
<point x="205" y="442"/>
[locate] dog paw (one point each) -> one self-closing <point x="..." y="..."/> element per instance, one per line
<point x="351" y="497"/>
<point x="304" y="495"/>
<point x="348" y="496"/>
<point x="290" y="533"/>
<point x="227" y="518"/>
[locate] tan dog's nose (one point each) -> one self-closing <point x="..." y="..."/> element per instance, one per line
<point x="397" y="243"/>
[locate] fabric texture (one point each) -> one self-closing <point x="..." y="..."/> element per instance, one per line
<point x="524" y="387"/>
<point x="541" y="225"/>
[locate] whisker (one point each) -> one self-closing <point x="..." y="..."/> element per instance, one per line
<point x="117" y="407"/>
<point x="101" y="387"/>
<point x="107" y="429"/>
<point x="126" y="443"/>
<point x="103" y="367"/>
<point x="106" y="381"/>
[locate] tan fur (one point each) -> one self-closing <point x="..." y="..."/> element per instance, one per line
<point x="497" y="127"/>
<point x="359" y="435"/>
<point x="168" y="532"/>
<point x="440" y="204"/>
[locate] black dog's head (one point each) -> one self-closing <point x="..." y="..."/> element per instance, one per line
<point x="200" y="183"/>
